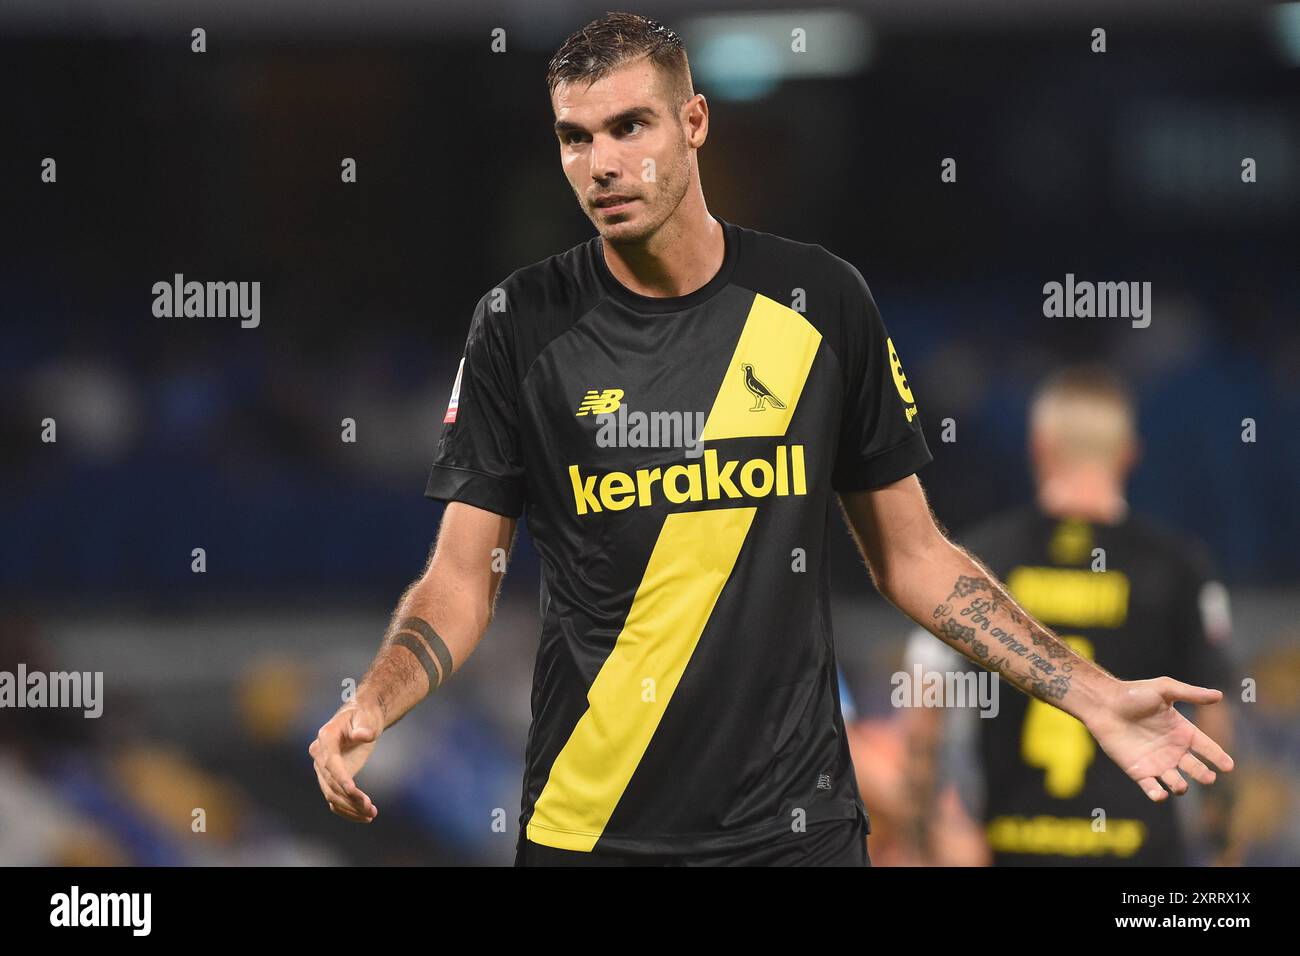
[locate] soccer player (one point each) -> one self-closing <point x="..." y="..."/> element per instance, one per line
<point x="675" y="403"/>
<point x="1120" y="592"/>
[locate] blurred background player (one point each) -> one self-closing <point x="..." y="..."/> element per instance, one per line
<point x="1133" y="597"/>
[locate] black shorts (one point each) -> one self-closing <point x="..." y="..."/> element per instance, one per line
<point x="833" y="843"/>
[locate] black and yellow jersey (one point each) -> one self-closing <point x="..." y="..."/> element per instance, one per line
<point x="675" y="459"/>
<point x="1139" y="600"/>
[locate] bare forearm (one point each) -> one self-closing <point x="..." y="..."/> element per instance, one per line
<point x="433" y="630"/>
<point x="441" y="617"/>
<point x="952" y="595"/>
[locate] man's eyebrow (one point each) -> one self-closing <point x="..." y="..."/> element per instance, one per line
<point x="627" y="115"/>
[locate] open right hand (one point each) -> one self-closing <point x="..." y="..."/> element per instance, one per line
<point x="338" y="753"/>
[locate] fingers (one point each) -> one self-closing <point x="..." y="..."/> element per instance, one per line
<point x="331" y="787"/>
<point x="1173" y="690"/>
<point x="1174" y="781"/>
<point x="347" y="814"/>
<point x="352" y="804"/>
<point x="1151" y="787"/>
<point x="334" y="771"/>
<point x="341" y="793"/>
<point x="1198" y="771"/>
<point x="317" y="750"/>
<point x="337" y="804"/>
<point x="334" y="793"/>
<point x="1211" y="751"/>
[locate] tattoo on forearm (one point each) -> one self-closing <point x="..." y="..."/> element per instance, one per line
<point x="1050" y="663"/>
<point x="416" y="647"/>
<point x="409" y="634"/>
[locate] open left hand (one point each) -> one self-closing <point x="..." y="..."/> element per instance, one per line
<point x="1138" y="727"/>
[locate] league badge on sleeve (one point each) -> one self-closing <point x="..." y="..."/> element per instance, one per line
<point x="455" y="395"/>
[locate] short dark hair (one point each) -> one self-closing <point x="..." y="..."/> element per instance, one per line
<point x="609" y="42"/>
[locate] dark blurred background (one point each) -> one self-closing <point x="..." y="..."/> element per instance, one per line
<point x="183" y="433"/>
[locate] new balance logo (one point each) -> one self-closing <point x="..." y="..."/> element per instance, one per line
<point x="600" y="403"/>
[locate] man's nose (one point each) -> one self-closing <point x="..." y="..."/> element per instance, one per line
<point x="604" y="158"/>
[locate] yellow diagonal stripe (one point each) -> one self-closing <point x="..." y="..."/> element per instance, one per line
<point x="780" y="344"/>
<point x="690" y="564"/>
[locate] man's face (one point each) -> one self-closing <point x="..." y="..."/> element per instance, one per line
<point x="624" y="149"/>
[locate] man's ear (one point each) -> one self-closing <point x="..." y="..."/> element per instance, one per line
<point x="695" y="114"/>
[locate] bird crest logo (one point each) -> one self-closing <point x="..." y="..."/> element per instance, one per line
<point x="763" y="397"/>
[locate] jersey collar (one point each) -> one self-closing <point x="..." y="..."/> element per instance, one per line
<point x="677" y="303"/>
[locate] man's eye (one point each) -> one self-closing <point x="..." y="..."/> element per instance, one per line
<point x="631" y="123"/>
<point x="571" y="138"/>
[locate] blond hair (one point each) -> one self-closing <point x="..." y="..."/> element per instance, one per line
<point x="1086" y="412"/>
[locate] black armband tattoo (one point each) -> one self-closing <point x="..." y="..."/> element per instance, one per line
<point x="407" y="638"/>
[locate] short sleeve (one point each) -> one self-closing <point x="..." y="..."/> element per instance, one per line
<point x="1206" y="627"/>
<point x="880" y="439"/>
<point x="478" y="459"/>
